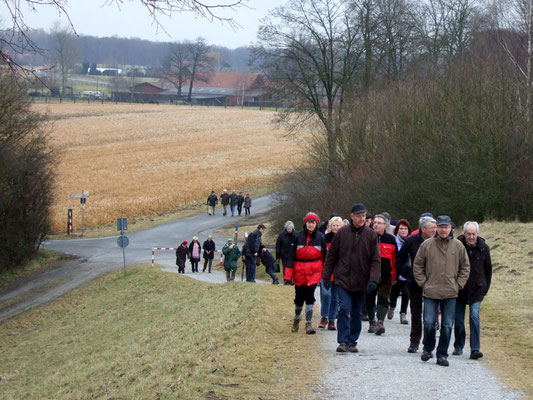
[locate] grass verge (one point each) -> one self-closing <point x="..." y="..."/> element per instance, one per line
<point x="45" y="259"/>
<point x="159" y="335"/>
<point x="506" y="312"/>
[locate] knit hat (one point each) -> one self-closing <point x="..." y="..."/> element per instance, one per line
<point x="312" y="216"/>
<point x="426" y="214"/>
<point x="185" y="242"/>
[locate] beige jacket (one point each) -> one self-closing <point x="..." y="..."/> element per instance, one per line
<point x="441" y="267"/>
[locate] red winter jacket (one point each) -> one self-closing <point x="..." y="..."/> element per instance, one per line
<point x="388" y="251"/>
<point x="308" y="258"/>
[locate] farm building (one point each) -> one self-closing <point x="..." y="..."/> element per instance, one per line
<point x="213" y="88"/>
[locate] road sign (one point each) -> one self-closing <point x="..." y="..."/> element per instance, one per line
<point x="123" y="241"/>
<point x="122" y="224"/>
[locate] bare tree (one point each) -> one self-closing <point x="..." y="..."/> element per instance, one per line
<point x="396" y="29"/>
<point x="514" y="23"/>
<point x="445" y="27"/>
<point x="199" y="61"/>
<point x="15" y="39"/>
<point x="65" y="54"/>
<point x="175" y="65"/>
<point x="311" y="51"/>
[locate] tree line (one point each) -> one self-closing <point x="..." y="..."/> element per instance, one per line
<point x="415" y="105"/>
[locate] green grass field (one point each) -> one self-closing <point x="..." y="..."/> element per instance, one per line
<point x="158" y="335"/>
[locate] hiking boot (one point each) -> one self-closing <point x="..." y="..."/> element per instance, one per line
<point x="342" y="348"/>
<point x="426" y="355"/>
<point x="372" y="327"/>
<point x="353" y="348"/>
<point x="457" y="352"/>
<point x="403" y="319"/>
<point x="475" y="354"/>
<point x="390" y="313"/>
<point x="380" y="328"/>
<point x="309" y="328"/>
<point x="364" y="317"/>
<point x="323" y="323"/>
<point x="296" y="324"/>
<point x="443" y="362"/>
<point x="413" y="348"/>
<point x="276" y="282"/>
<point x="331" y="326"/>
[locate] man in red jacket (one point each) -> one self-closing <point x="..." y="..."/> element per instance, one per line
<point x="388" y="252"/>
<point x="354" y="260"/>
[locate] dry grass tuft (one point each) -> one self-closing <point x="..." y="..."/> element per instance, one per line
<point x="141" y="160"/>
<point x="506" y="312"/>
<point x="159" y="335"/>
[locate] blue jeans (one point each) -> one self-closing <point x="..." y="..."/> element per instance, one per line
<point x="232" y="208"/>
<point x="349" y="319"/>
<point x="328" y="302"/>
<point x="250" y="270"/>
<point x="460" y="332"/>
<point x="447" y="309"/>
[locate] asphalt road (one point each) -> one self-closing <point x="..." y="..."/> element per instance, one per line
<point x="97" y="256"/>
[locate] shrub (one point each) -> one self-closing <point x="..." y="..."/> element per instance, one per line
<point x="26" y="176"/>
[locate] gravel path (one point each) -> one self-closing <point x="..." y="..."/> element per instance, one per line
<point x="384" y="370"/>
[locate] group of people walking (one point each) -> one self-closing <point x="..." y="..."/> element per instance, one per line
<point x="192" y="251"/>
<point x="253" y="253"/>
<point x="364" y="264"/>
<point x="234" y="200"/>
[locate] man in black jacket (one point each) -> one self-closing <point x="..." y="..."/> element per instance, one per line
<point x="209" y="252"/>
<point x="406" y="258"/>
<point x="284" y="247"/>
<point x="476" y="288"/>
<point x="240" y="201"/>
<point x="224" y="200"/>
<point x="212" y="201"/>
<point x="252" y="251"/>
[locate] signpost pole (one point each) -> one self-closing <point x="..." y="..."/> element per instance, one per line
<point x="123" y="252"/>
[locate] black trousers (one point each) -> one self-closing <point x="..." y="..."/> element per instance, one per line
<point x="304" y="294"/>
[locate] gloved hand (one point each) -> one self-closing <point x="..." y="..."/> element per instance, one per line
<point x="287" y="282"/>
<point x="326" y="283"/>
<point x="371" y="286"/>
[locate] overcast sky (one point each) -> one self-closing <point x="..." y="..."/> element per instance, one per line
<point x="94" y="17"/>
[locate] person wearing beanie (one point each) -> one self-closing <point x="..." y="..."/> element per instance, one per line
<point x="181" y="256"/>
<point x="231" y="255"/>
<point x="309" y="251"/>
<point x="354" y="261"/>
<point x="284" y="244"/>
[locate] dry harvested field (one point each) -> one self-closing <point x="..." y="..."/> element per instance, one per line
<point x="140" y="160"/>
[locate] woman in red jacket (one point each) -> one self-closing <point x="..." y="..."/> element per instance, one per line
<point x="306" y="269"/>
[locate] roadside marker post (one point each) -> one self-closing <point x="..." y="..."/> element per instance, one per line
<point x="123" y="241"/>
<point x="69" y="225"/>
<point x="83" y="199"/>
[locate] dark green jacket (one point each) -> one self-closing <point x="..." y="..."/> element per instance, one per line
<point x="230" y="257"/>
